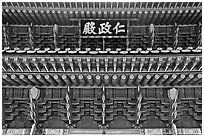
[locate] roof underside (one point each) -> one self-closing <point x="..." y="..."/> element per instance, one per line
<point x="66" y="13"/>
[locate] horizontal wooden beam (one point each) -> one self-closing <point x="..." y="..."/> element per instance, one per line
<point x="144" y="131"/>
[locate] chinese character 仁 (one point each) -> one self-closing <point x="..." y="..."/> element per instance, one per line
<point x="105" y="27"/>
<point x="89" y="28"/>
<point x="117" y="26"/>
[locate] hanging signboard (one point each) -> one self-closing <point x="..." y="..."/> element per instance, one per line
<point x="103" y="28"/>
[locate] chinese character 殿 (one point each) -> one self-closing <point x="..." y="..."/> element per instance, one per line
<point x="117" y="28"/>
<point x="105" y="27"/>
<point x="89" y="28"/>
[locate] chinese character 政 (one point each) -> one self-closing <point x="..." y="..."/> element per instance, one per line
<point x="117" y="26"/>
<point x="89" y="28"/>
<point x="105" y="28"/>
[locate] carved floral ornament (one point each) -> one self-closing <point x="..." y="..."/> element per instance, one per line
<point x="34" y="93"/>
<point x="173" y="94"/>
